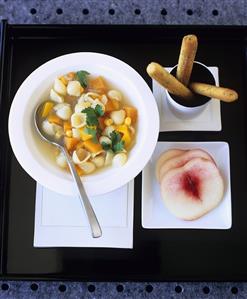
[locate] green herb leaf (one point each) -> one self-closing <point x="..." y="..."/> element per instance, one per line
<point x="98" y="110"/>
<point x="118" y="147"/>
<point x="92" y="132"/>
<point x="115" y="137"/>
<point x="106" y="146"/>
<point x="82" y="77"/>
<point x="117" y="143"/>
<point x="92" y="119"/>
<point x="99" y="131"/>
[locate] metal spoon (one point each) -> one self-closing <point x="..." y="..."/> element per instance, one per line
<point x="94" y="224"/>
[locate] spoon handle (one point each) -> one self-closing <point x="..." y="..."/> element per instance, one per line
<point x="93" y="221"/>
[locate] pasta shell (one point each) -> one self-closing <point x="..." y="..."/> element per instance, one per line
<point x="99" y="161"/>
<point x="115" y="95"/>
<point x="61" y="160"/>
<point x="81" y="106"/>
<point x="59" y="87"/>
<point x="119" y="159"/>
<point x="78" y="120"/>
<point x="108" y="158"/>
<point x="80" y="156"/>
<point x="108" y="130"/>
<point x="98" y="153"/>
<point x="88" y="97"/>
<point x="104" y="99"/>
<point x="105" y="139"/>
<point x="56" y="97"/>
<point x="76" y="133"/>
<point x="97" y="102"/>
<point x="88" y="167"/>
<point x="48" y="128"/>
<point x="64" y="112"/>
<point x="74" y="88"/>
<point x="118" y="116"/>
<point x="58" y="131"/>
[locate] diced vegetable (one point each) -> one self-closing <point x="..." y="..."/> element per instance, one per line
<point x="111" y="105"/>
<point x="102" y="123"/>
<point x="53" y="118"/>
<point x="67" y="126"/>
<point x="98" y="84"/>
<point x="46" y="109"/>
<point x="126" y="134"/>
<point x="115" y="95"/>
<point x="84" y="135"/>
<point x="92" y="147"/>
<point x="70" y="143"/>
<point x="108" y="122"/>
<point x="127" y="121"/>
<point x="131" y="112"/>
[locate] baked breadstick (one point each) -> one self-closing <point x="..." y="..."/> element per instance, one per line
<point x="186" y="58"/>
<point x="211" y="91"/>
<point x="158" y="73"/>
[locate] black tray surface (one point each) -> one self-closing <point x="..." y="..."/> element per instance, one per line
<point x="157" y="255"/>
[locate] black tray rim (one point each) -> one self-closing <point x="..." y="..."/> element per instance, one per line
<point x="6" y="29"/>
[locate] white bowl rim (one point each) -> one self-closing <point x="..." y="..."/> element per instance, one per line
<point x="49" y="180"/>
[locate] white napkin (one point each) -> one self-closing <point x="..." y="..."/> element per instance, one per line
<point x="60" y="221"/>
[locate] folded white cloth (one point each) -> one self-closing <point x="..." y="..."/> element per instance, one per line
<point x="60" y="221"/>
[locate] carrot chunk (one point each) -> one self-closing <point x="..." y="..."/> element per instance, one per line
<point x="70" y="143"/>
<point x="92" y="147"/>
<point x="131" y="112"/>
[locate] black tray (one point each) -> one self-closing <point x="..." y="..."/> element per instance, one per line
<point x="158" y="255"/>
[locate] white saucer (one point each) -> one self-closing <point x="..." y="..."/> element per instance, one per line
<point x="154" y="212"/>
<point x="208" y="120"/>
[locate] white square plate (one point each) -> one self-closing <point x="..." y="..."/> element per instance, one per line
<point x="154" y="212"/>
<point x="208" y="120"/>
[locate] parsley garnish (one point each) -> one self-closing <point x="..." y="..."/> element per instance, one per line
<point x="106" y="146"/>
<point x="92" y="119"/>
<point x="117" y="143"/>
<point x="118" y="147"/>
<point x="98" y="110"/>
<point x="93" y="114"/>
<point x="82" y="77"/>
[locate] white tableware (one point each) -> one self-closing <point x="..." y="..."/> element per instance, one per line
<point x="154" y="213"/>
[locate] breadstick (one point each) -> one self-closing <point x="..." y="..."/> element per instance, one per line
<point x="158" y="73"/>
<point x="186" y="58"/>
<point x="211" y="91"/>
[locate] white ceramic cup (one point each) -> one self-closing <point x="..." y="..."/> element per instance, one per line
<point x="186" y="111"/>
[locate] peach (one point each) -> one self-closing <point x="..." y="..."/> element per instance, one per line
<point x="183" y="159"/>
<point x="165" y="157"/>
<point x="193" y="189"/>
